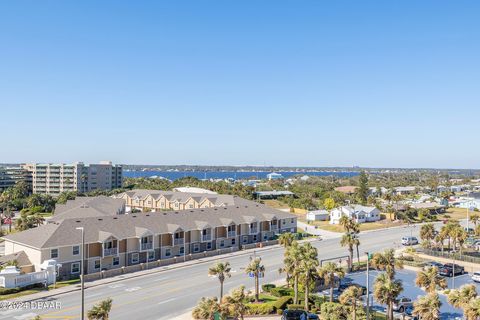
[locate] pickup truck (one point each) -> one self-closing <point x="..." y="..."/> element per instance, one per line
<point x="448" y="269"/>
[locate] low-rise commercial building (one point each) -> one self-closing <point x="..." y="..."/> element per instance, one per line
<point x="123" y="240"/>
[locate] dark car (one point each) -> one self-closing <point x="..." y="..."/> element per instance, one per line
<point x="448" y="269"/>
<point x="294" y="315"/>
<point x="312" y="316"/>
<point x="409" y="312"/>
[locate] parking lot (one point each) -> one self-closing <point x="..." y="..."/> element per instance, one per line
<point x="413" y="292"/>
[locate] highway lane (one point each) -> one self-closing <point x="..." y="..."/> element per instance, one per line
<point x="173" y="292"/>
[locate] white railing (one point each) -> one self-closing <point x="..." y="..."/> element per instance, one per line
<point x="178" y="241"/>
<point x="231" y="234"/>
<point x="110" y="251"/>
<point x="13" y="280"/>
<point x="147" y="246"/>
<point x="207" y="237"/>
<point x="253" y="230"/>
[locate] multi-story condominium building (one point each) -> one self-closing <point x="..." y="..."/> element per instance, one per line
<point x="9" y="176"/>
<point x="57" y="178"/>
<point x="158" y="200"/>
<point x="114" y="241"/>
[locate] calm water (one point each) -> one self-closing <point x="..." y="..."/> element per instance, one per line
<point x="173" y="175"/>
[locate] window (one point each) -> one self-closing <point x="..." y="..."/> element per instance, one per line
<point x="233" y="241"/>
<point x="53" y="253"/>
<point x="75" y="267"/>
<point x="196" y="247"/>
<point x="135" y="257"/>
<point x="209" y="245"/>
<point x="283" y="221"/>
<point x="151" y="255"/>
<point x="245" y="239"/>
<point x="292" y="220"/>
<point x="96" y="264"/>
<point x="168" y="252"/>
<point x="254" y="237"/>
<point x="265" y="237"/>
<point x="190" y="206"/>
<point x="222" y="243"/>
<point x="76" y="250"/>
<point x="116" y="261"/>
<point x="182" y="250"/>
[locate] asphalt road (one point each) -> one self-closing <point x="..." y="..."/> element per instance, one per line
<point x="167" y="294"/>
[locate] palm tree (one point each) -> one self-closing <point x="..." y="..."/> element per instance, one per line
<point x="427" y="233"/>
<point x="101" y="310"/>
<point x="257" y="269"/>
<point x="308" y="268"/>
<point x="387" y="261"/>
<point x="206" y="308"/>
<point x="430" y="280"/>
<point x="221" y="271"/>
<point x="286" y="239"/>
<point x="472" y="309"/>
<point x="293" y="257"/>
<point x="351" y="296"/>
<point x="328" y="272"/>
<point x="234" y="303"/>
<point x="386" y="290"/>
<point x="461" y="297"/>
<point x="475" y="218"/>
<point x="348" y="240"/>
<point x="427" y="307"/>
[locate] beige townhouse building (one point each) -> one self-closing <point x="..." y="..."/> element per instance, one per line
<point x="158" y="200"/>
<point x="114" y="241"/>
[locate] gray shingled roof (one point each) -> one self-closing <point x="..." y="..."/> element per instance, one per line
<point x="85" y="207"/>
<point x="20" y="256"/>
<point x="63" y="233"/>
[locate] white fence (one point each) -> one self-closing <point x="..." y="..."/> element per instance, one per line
<point x="15" y="279"/>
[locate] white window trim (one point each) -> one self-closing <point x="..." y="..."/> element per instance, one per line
<point x="99" y="264"/>
<point x="113" y="261"/>
<point x="132" y="260"/>
<point x="58" y="253"/>
<point x="73" y="252"/>
<point x="196" y="247"/>
<point x="148" y="255"/>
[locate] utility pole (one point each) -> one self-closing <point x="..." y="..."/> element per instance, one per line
<point x="368" y="287"/>
<point x="82" y="273"/>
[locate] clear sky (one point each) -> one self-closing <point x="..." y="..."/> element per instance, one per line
<point x="300" y="83"/>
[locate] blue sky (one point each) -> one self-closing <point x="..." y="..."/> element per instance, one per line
<point x="300" y="83"/>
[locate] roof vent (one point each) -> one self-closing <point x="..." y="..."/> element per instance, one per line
<point x="78" y="221"/>
<point x="115" y="218"/>
<point x="202" y="210"/>
<point x="147" y="215"/>
<point x="176" y="212"/>
<point x="246" y="206"/>
<point x="100" y="219"/>
<point x="225" y="208"/>
<point x="238" y="207"/>
<point x="164" y="213"/>
<point x="134" y="216"/>
<point x="191" y="210"/>
<point x="215" y="209"/>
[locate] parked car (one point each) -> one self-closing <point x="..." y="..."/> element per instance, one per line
<point x="312" y="316"/>
<point x="433" y="264"/>
<point x="476" y="276"/>
<point x="409" y="241"/>
<point x="400" y="304"/>
<point x="344" y="286"/>
<point x="447" y="270"/>
<point x="409" y="312"/>
<point x="294" y="314"/>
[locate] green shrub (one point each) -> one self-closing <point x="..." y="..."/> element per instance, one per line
<point x="333" y="311"/>
<point x="267" y="287"/>
<point x="295" y="307"/>
<point x="260" y="308"/>
<point x="282" y="302"/>
<point x="281" y="292"/>
<point x="4" y="291"/>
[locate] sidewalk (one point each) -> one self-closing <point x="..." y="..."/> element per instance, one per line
<point x="143" y="273"/>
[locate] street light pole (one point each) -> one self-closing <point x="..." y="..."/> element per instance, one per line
<point x="368" y="287"/>
<point x="82" y="272"/>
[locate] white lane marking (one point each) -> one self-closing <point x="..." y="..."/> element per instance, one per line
<point x="94" y="295"/>
<point x="114" y="286"/>
<point x="26" y="316"/>
<point x="166" y="301"/>
<point x="133" y="289"/>
<point x="160" y="279"/>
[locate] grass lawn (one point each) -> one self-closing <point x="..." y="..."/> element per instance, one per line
<point x="276" y="204"/>
<point x="20" y="294"/>
<point x="386" y="223"/>
<point x="457" y="213"/>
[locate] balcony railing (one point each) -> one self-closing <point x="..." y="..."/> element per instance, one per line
<point x="231" y="234"/>
<point x="178" y="241"/>
<point x="110" y="251"/>
<point x="207" y="237"/>
<point x="147" y="246"/>
<point x="253" y="230"/>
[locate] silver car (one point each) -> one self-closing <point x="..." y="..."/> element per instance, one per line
<point x="401" y="304"/>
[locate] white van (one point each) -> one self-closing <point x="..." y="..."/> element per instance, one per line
<point x="409" y="241"/>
